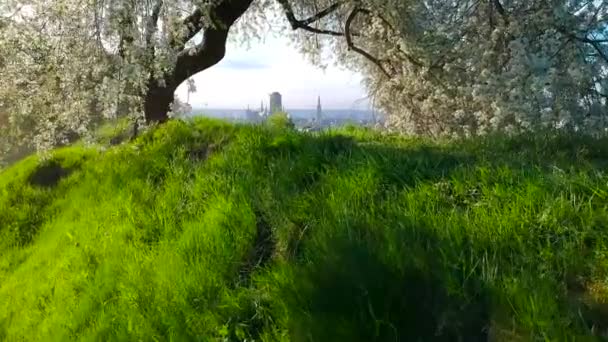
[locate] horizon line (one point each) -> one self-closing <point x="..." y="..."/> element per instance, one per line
<point x="301" y="108"/>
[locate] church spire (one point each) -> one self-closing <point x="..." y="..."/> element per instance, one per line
<point x="319" y="109"/>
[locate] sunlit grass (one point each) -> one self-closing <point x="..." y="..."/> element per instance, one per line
<point x="213" y="232"/>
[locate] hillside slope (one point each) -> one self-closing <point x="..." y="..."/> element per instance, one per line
<point x="212" y="232"/>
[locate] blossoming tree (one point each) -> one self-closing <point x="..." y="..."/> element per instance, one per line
<point x="433" y="66"/>
<point x="469" y="67"/>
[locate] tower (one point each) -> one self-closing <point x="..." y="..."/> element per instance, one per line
<point x="319" y="110"/>
<point x="276" y="103"/>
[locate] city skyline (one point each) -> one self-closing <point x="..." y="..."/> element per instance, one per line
<point x="247" y="75"/>
<point x="264" y="105"/>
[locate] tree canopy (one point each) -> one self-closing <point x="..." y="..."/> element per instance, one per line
<point x="433" y="66"/>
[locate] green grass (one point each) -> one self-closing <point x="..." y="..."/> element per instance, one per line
<point x="113" y="132"/>
<point x="211" y="232"/>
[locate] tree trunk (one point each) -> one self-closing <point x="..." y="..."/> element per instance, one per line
<point x="157" y="102"/>
<point x="209" y="52"/>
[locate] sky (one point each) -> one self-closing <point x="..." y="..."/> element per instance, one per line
<point x="246" y="76"/>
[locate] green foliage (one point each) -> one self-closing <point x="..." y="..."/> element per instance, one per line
<point x="280" y="120"/>
<point x="206" y="231"/>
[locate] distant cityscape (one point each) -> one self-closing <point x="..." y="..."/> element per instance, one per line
<point x="303" y="119"/>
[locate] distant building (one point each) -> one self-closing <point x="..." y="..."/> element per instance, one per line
<point x="319" y="116"/>
<point x="253" y="116"/>
<point x="276" y="103"/>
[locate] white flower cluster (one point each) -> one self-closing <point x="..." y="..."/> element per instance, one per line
<point x="469" y="67"/>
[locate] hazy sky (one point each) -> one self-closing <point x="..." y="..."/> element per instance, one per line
<point x="247" y="75"/>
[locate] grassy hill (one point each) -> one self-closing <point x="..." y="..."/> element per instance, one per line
<point x="212" y="232"/>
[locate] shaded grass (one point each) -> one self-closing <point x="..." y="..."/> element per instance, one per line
<point x="212" y="232"/>
<point x="113" y="132"/>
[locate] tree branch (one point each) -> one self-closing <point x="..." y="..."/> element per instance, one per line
<point x="349" y="41"/>
<point x="126" y="39"/>
<point x="305" y="24"/>
<point x="500" y="9"/>
<point x="590" y="40"/>
<point x="151" y="28"/>
<point x="193" y="24"/>
<point x="595" y="43"/>
<point x="599" y="50"/>
<point x="152" y="23"/>
<point x="208" y="52"/>
<point x="495" y="4"/>
<point x="212" y="48"/>
<point x="322" y="14"/>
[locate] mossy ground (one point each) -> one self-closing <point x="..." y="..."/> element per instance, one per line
<point x="212" y="232"/>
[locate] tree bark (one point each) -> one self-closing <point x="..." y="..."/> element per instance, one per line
<point x="209" y="52"/>
<point x="157" y="102"/>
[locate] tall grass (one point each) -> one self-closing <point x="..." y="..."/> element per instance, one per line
<point x="206" y="231"/>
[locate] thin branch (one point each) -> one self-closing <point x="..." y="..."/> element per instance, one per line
<point x="10" y="16"/>
<point x="96" y="19"/>
<point x="595" y="43"/>
<point x="600" y="41"/>
<point x="349" y="41"/>
<point x="305" y="24"/>
<point x="322" y="14"/>
<point x="591" y="40"/>
<point x="599" y="50"/>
